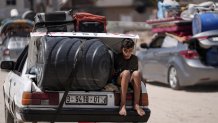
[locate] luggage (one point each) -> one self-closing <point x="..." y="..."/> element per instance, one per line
<point x="193" y="9"/>
<point x="54" y="22"/>
<point x="168" y="8"/>
<point x="86" y="22"/>
<point x="171" y="25"/>
<point x="204" y="22"/>
<point x="174" y="28"/>
<point x="56" y="57"/>
<point x="212" y="56"/>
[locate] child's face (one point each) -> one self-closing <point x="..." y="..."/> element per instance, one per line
<point x="127" y="52"/>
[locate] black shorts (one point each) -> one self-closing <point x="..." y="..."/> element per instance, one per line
<point x="115" y="80"/>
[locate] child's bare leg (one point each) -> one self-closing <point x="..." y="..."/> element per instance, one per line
<point x="125" y="77"/>
<point x="136" y="76"/>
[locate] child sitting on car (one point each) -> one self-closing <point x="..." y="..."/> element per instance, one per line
<point x="126" y="71"/>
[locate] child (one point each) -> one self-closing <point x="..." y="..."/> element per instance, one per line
<point x="126" y="68"/>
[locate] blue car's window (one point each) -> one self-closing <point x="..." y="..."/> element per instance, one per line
<point x="156" y="43"/>
<point x="169" y="42"/>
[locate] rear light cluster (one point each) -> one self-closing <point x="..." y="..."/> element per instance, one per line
<point x="130" y="99"/>
<point x="6" y="52"/>
<point x="40" y="98"/>
<point x="189" y="54"/>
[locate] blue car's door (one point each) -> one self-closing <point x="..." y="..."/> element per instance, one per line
<point x="148" y="60"/>
<point x="164" y="56"/>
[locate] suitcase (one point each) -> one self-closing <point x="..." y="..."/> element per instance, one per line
<point x="87" y="22"/>
<point x="54" y="22"/>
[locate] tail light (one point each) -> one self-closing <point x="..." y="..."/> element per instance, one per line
<point x="40" y="98"/>
<point x="189" y="54"/>
<point x="6" y="52"/>
<point x="144" y="99"/>
<point x="130" y="99"/>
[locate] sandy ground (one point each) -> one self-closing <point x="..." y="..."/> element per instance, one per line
<point x="196" y="104"/>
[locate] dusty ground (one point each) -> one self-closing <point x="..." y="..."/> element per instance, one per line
<point x="192" y="105"/>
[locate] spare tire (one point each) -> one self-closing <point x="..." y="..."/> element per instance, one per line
<point x="57" y="57"/>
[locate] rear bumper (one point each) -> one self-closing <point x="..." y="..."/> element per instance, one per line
<point x="191" y="75"/>
<point x="79" y="115"/>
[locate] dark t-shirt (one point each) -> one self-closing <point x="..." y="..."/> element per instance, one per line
<point x="121" y="64"/>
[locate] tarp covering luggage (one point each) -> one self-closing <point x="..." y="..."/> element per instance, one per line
<point x="167" y="8"/>
<point x="86" y="22"/>
<point x="54" y="22"/>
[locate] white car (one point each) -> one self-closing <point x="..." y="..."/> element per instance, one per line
<point x="30" y="96"/>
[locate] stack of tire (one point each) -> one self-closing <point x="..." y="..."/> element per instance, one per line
<point x="86" y="64"/>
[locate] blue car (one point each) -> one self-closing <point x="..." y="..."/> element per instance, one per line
<point x="178" y="64"/>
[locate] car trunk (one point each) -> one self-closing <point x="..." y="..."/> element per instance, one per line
<point x="109" y="96"/>
<point x="206" y="46"/>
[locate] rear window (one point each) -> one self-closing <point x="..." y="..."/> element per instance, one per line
<point x="17" y="42"/>
<point x="169" y="42"/>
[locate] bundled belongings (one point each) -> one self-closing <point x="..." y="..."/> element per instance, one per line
<point x="205" y="22"/>
<point x="174" y="25"/>
<point x="168" y="8"/>
<point x="169" y="20"/>
<point x="180" y="26"/>
<point x="54" y="22"/>
<point x="69" y="22"/>
<point x="196" y="19"/>
<point x="192" y="9"/>
<point x="86" y="22"/>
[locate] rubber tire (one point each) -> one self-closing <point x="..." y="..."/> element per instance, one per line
<point x="173" y="79"/>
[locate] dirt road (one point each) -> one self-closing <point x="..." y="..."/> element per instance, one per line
<point x="192" y="105"/>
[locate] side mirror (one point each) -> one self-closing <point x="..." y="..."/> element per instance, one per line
<point x="144" y="45"/>
<point x="7" y="65"/>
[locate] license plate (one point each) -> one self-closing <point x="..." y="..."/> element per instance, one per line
<point x="86" y="99"/>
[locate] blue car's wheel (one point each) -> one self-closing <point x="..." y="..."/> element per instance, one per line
<point x="173" y="78"/>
